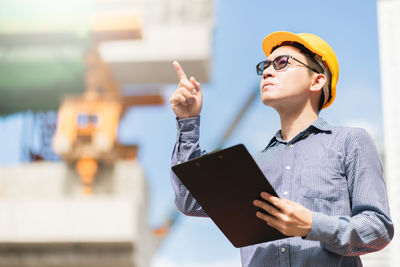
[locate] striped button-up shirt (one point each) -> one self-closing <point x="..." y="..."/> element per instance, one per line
<point x="333" y="171"/>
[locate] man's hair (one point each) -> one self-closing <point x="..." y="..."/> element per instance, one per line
<point x="317" y="64"/>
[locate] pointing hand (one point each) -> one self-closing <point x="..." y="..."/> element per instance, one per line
<point x="187" y="99"/>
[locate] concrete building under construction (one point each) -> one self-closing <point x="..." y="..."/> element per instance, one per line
<point x="91" y="60"/>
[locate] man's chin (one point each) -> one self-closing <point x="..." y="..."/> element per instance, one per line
<point x="268" y="101"/>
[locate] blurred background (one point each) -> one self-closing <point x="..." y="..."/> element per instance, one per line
<point x="87" y="132"/>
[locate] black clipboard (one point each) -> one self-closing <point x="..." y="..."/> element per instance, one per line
<point x="225" y="183"/>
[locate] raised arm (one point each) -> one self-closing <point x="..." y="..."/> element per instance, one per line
<point x="186" y="102"/>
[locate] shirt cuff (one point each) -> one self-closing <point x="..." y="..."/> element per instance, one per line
<point x="323" y="228"/>
<point x="188" y="129"/>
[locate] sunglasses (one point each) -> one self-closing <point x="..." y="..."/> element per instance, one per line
<point x="279" y="63"/>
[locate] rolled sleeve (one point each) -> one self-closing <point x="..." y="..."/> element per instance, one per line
<point x="188" y="129"/>
<point x="323" y="228"/>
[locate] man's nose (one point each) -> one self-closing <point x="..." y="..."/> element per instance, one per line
<point x="267" y="72"/>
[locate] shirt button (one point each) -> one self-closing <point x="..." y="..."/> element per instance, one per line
<point x="287" y="167"/>
<point x="283" y="250"/>
<point x="179" y="162"/>
<point x="291" y="145"/>
<point x="285" y="193"/>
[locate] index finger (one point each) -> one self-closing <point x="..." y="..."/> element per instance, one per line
<point x="179" y="71"/>
<point x="272" y="199"/>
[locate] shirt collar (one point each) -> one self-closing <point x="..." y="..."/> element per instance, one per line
<point x="322" y="125"/>
<point x="318" y="125"/>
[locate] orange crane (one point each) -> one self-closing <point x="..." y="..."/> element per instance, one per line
<point x="87" y="126"/>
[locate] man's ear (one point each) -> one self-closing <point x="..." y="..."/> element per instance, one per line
<point x="317" y="82"/>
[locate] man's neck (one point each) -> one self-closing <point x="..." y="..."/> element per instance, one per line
<point x="292" y="123"/>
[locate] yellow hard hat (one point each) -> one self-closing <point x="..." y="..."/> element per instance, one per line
<point x="313" y="43"/>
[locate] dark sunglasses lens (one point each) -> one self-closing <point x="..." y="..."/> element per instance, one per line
<point x="280" y="62"/>
<point x="260" y="67"/>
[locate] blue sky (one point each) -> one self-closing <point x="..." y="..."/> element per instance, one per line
<point x="350" y="27"/>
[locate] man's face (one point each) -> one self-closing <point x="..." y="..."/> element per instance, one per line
<point x="289" y="86"/>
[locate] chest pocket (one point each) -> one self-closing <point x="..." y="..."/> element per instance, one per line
<point x="323" y="178"/>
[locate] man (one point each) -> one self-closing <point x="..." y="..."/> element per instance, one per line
<point x="333" y="196"/>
